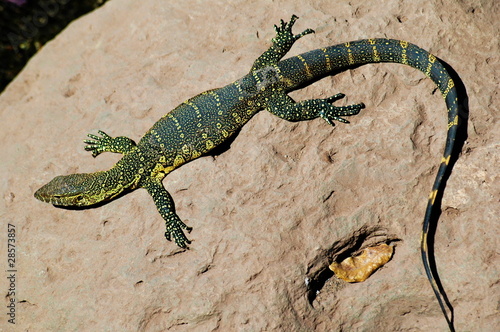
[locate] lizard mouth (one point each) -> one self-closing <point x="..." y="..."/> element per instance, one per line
<point x="42" y="195"/>
<point x="80" y="189"/>
<point x="66" y="190"/>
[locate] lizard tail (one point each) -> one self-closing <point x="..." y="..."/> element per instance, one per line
<point x="322" y="62"/>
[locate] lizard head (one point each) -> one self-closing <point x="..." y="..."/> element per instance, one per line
<point x="80" y="189"/>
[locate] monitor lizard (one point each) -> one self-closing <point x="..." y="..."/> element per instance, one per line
<point x="205" y="121"/>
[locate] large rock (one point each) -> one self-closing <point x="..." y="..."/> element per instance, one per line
<point x="270" y="213"/>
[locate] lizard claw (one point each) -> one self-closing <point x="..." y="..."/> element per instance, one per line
<point x="174" y="229"/>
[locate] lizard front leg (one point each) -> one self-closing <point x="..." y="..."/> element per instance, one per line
<point x="106" y="143"/>
<point x="165" y="205"/>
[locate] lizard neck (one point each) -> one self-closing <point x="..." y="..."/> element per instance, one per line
<point x="129" y="170"/>
<point x="112" y="182"/>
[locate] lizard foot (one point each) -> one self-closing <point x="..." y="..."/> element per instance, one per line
<point x="284" y="37"/>
<point x="332" y="113"/>
<point x="174" y="229"/>
<point x="98" y="144"/>
<point x="106" y="143"/>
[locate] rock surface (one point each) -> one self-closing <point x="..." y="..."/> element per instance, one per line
<point x="271" y="212"/>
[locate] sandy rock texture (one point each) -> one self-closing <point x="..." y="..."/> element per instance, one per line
<point x="271" y="212"/>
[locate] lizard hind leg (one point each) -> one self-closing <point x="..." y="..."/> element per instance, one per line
<point x="284" y="37"/>
<point x="282" y="43"/>
<point x="329" y="112"/>
<point x="280" y="104"/>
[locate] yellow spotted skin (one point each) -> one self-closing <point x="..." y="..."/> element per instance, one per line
<point x="205" y="121"/>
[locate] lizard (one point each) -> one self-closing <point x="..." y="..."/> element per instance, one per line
<point x="203" y="122"/>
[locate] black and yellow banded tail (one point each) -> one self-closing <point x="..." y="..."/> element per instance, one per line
<point x="318" y="63"/>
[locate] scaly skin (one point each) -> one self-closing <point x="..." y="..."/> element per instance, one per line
<point x="205" y="121"/>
